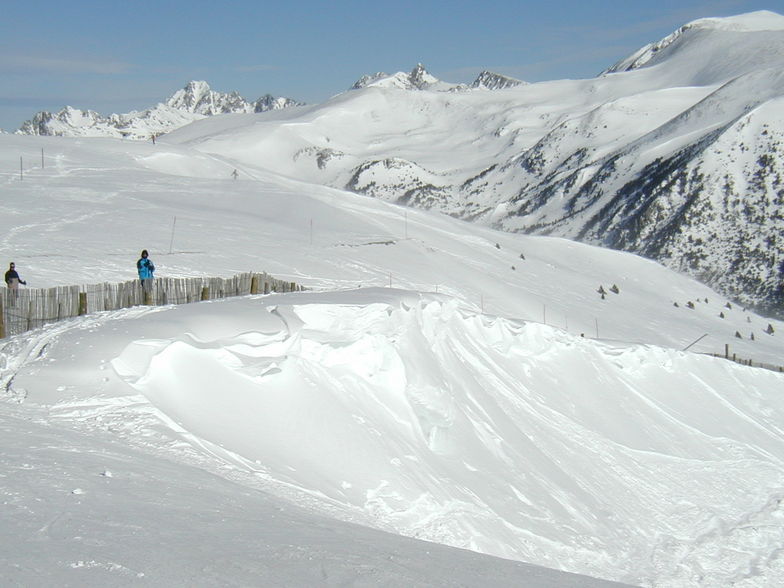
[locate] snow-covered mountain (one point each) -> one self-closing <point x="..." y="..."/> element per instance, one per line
<point x="674" y="153"/>
<point x="420" y="79"/>
<point x="417" y="79"/>
<point x="193" y="102"/>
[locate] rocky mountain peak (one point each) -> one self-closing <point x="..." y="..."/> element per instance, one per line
<point x="489" y="80"/>
<point x="420" y="78"/>
<point x="197" y="97"/>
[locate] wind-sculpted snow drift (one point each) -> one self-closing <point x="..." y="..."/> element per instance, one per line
<point x="416" y="414"/>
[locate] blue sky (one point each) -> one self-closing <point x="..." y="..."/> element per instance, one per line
<point x="117" y="56"/>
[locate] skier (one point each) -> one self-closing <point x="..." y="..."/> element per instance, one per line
<point x="13" y="280"/>
<point x="145" y="268"/>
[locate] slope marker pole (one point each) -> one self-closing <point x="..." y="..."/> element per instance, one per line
<point x="697" y="341"/>
<point x="171" y="243"/>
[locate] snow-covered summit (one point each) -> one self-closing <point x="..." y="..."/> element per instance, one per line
<point x="760" y="20"/>
<point x="197" y="97"/>
<point x="68" y="121"/>
<point x="421" y="79"/>
<point x="417" y="79"/>
<point x="730" y="44"/>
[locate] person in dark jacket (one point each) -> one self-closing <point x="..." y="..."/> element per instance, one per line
<point x="145" y="268"/>
<point x="13" y="280"/>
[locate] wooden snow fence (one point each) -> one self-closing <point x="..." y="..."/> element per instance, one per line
<point x="28" y="308"/>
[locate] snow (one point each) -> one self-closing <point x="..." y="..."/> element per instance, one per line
<point x="760" y="20"/>
<point x="439" y="381"/>
<point x="445" y="405"/>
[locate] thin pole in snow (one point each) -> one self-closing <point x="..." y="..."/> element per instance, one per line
<point x="697" y="341"/>
<point x="171" y="243"/>
<point x="596" y="320"/>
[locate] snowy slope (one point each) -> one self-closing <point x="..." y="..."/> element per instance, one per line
<point x="83" y="507"/>
<point x="491" y="400"/>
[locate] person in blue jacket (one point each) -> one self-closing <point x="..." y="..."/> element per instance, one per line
<point x="145" y="268"/>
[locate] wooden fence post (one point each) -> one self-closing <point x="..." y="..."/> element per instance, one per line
<point x="82" y="303"/>
<point x="254" y="284"/>
<point x="205" y="293"/>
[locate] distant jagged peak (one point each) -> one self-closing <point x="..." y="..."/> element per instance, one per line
<point x="197" y="97"/>
<point x="62" y="122"/>
<point x="270" y="102"/>
<point x="369" y="80"/>
<point x="489" y="80"/>
<point x="421" y="78"/>
<point x="418" y="79"/>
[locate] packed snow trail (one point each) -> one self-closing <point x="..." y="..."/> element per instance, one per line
<point x="414" y="413"/>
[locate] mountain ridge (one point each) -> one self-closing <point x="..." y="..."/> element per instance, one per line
<point x="194" y="101"/>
